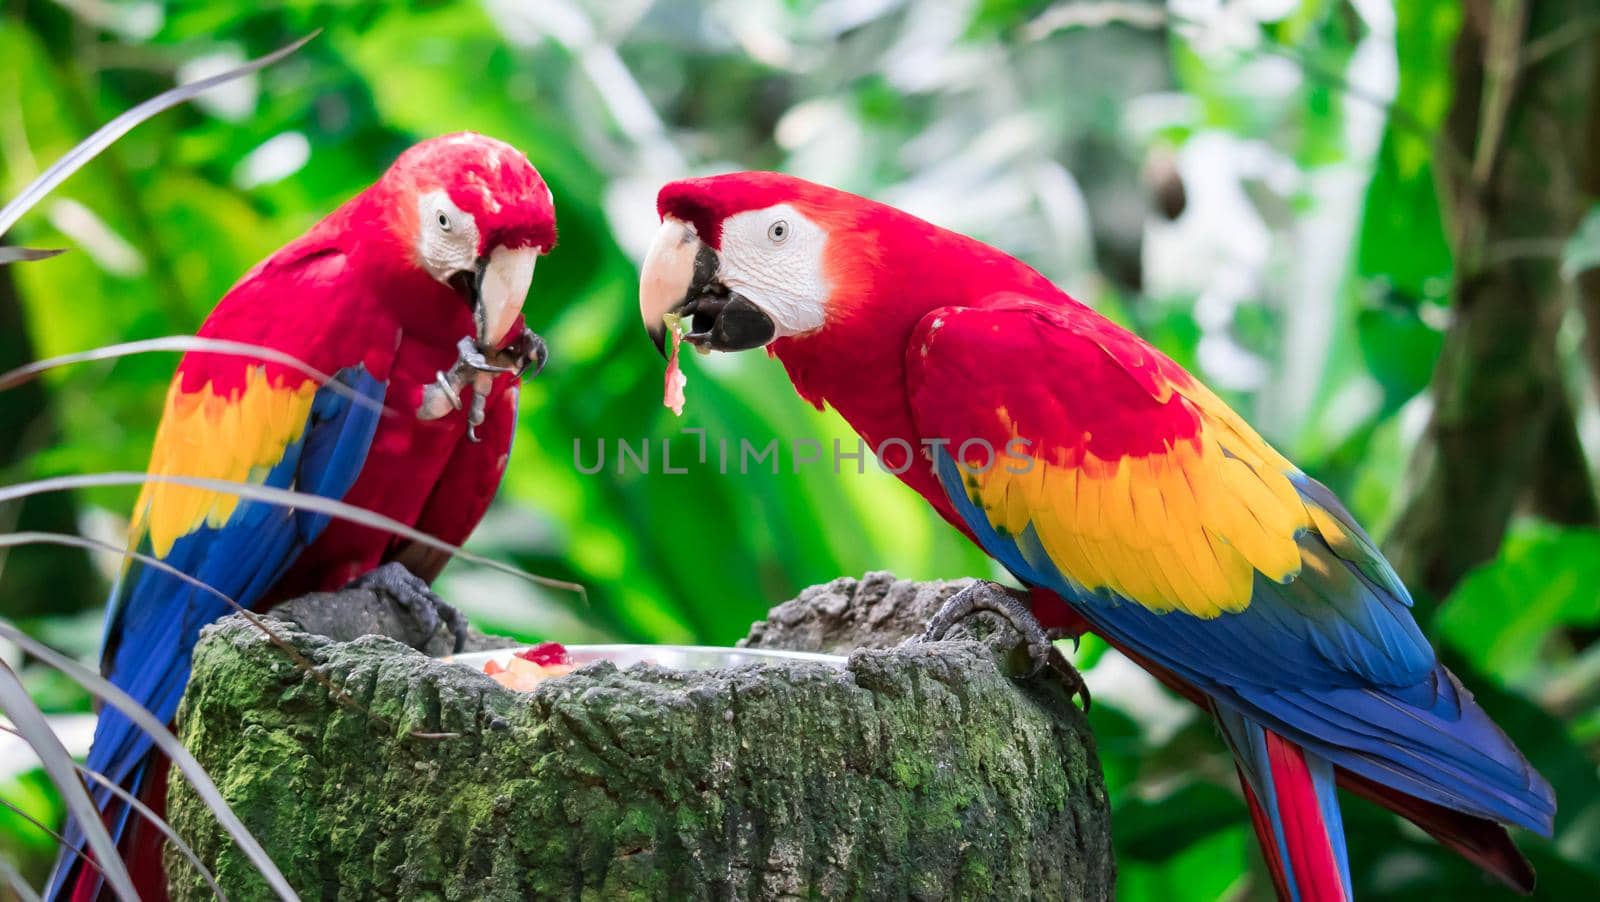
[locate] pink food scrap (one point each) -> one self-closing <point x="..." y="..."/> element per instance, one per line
<point x="673" y="396"/>
<point x="527" y="668"/>
<point x="545" y="653"/>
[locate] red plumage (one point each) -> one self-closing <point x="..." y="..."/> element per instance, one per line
<point x="1316" y="874"/>
<point x="1151" y="512"/>
<point x="381" y="294"/>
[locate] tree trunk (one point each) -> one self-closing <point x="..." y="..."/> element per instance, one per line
<point x="923" y="771"/>
<point x="1519" y="122"/>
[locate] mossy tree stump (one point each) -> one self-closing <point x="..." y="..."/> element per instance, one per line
<point x="921" y="771"/>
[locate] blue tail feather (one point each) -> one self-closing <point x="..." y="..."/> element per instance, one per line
<point x="1298" y="800"/>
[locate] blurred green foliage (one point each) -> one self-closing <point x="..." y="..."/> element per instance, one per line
<point x="1307" y="277"/>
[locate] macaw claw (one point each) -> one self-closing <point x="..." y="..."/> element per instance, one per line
<point x="407" y="590"/>
<point x="999" y="600"/>
<point x="471" y="368"/>
<point x="526" y="355"/>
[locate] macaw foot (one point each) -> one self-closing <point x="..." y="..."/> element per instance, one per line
<point x="408" y="591"/>
<point x="471" y="369"/>
<point x="1011" y="606"/>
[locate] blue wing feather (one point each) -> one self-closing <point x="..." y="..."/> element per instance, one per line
<point x="155" y="617"/>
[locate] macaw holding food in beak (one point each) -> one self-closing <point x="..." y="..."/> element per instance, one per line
<point x="410" y="295"/>
<point x="1143" y="506"/>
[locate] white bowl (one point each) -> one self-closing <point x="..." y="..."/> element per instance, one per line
<point x="677" y="657"/>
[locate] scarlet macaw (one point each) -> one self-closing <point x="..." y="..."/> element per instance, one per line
<point x="399" y="294"/>
<point x="1142" y="504"/>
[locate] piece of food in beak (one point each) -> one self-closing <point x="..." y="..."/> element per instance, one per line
<point x="672" y="396"/>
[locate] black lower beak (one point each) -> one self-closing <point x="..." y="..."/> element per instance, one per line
<point x="735" y="325"/>
<point x="469" y="284"/>
<point x="719" y="320"/>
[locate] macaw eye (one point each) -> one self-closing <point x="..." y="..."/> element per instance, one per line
<point x="778" y="231"/>
<point x="444" y="221"/>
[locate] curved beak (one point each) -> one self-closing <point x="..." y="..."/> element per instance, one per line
<point x="680" y="277"/>
<point x="498" y="288"/>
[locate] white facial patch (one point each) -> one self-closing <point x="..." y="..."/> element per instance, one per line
<point x="774" y="258"/>
<point x="447" y="242"/>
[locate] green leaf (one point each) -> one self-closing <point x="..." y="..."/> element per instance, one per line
<point x="1399" y="349"/>
<point x="1158" y="829"/>
<point x="1503" y="614"/>
<point x="1218" y="866"/>
<point x="1402" y="233"/>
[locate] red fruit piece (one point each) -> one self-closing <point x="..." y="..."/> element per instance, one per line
<point x="545" y="653"/>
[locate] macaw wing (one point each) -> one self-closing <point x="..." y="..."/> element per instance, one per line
<point x="282" y="431"/>
<point x="1141" y="491"/>
<point x="1176" y="531"/>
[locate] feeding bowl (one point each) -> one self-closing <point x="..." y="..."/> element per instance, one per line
<point x="676" y="657"/>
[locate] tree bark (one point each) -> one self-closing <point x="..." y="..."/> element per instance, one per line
<point x="1562" y="490"/>
<point x="1519" y="120"/>
<point x="922" y="771"/>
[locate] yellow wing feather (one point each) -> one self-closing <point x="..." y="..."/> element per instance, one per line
<point x="1185" y="529"/>
<point x="238" y="436"/>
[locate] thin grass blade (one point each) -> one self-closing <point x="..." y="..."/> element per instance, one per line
<point x="33" y="537"/>
<point x="144" y="811"/>
<point x="91" y="147"/>
<point x="59" y="766"/>
<point x="10" y="254"/>
<point x="8" y="540"/>
<point x="286" y="498"/>
<point x="44" y="828"/>
<point x="15" y="377"/>
<point x="169" y="746"/>
<point x="160" y="823"/>
<point x="13" y="878"/>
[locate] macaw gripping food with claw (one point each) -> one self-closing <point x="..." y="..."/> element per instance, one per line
<point x="404" y="310"/>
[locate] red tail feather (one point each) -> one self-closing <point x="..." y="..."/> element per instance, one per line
<point x="141" y="845"/>
<point x="1316" y="874"/>
<point x="1482" y="842"/>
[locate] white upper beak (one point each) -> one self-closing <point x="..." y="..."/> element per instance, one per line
<point x="668" y="271"/>
<point x="506" y="279"/>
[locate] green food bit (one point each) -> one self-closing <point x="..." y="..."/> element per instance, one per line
<point x="675" y="325"/>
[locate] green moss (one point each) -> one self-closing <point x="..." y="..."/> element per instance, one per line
<point x="920" y="770"/>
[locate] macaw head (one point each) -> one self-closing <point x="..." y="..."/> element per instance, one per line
<point x="750" y="258"/>
<point x="476" y="216"/>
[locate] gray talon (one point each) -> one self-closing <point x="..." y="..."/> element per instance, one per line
<point x="450" y="391"/>
<point x="473" y="369"/>
<point x="408" y="591"/>
<point x="472" y="360"/>
<point x="997" y="599"/>
<point x="526" y="355"/>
